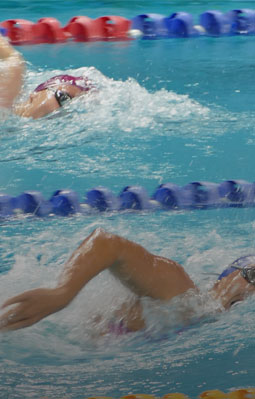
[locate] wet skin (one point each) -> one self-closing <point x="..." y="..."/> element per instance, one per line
<point x="43" y="102"/>
<point x="142" y="272"/>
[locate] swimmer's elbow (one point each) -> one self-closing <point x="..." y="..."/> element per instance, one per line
<point x="100" y="235"/>
<point x="107" y="245"/>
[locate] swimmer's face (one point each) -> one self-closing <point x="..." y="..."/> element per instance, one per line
<point x="233" y="288"/>
<point x="44" y="102"/>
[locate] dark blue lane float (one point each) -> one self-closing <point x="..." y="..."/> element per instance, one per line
<point x="168" y="196"/>
<point x="235" y="22"/>
<point x="181" y="24"/>
<point x="155" y="26"/>
<point x="146" y="26"/>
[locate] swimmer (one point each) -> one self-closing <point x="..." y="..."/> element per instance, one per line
<point x="52" y="95"/>
<point x="46" y="98"/>
<point x="145" y="274"/>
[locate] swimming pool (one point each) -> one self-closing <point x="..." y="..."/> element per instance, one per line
<point x="167" y="111"/>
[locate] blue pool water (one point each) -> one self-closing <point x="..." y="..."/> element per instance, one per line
<point x="167" y="111"/>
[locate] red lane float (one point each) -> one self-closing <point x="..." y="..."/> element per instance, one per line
<point x="19" y="31"/>
<point x="79" y="28"/>
<point x="48" y="30"/>
<point x="82" y="29"/>
<point x="113" y="27"/>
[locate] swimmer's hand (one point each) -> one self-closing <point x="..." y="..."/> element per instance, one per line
<point x="32" y="306"/>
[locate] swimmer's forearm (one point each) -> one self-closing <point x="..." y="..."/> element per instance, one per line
<point x="11" y="73"/>
<point x="6" y="50"/>
<point x="96" y="253"/>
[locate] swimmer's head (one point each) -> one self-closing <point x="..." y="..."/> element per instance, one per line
<point x="236" y="282"/>
<point x="53" y="94"/>
<point x="82" y="83"/>
<point x="246" y="265"/>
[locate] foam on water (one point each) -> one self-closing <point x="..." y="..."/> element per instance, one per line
<point x="88" y="136"/>
<point x="66" y="345"/>
<point x="38" y="259"/>
<point x="132" y="132"/>
<point x="119" y="105"/>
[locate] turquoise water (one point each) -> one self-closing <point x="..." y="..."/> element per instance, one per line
<point x="170" y="110"/>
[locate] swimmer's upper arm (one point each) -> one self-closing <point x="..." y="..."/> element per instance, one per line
<point x="147" y="274"/>
<point x="142" y="272"/>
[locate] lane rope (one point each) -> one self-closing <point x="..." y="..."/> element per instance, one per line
<point x="144" y="26"/>
<point x="169" y="196"/>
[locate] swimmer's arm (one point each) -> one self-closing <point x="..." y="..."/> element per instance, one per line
<point x="142" y="272"/>
<point x="96" y="253"/>
<point x="12" y="68"/>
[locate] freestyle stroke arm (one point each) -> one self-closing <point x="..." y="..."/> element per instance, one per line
<point x="12" y="68"/>
<point x="142" y="272"/>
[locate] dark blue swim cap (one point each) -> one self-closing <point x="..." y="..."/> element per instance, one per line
<point x="242" y="262"/>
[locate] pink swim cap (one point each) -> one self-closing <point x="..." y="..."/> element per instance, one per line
<point x="81" y="82"/>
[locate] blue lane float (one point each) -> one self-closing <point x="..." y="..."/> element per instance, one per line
<point x="64" y="203"/>
<point x="151" y="25"/>
<point x="169" y="196"/>
<point x="237" y="192"/>
<point x="243" y="22"/>
<point x="102" y="199"/>
<point x="235" y="22"/>
<point x="181" y="24"/>
<point x="135" y="198"/>
<point x="32" y="202"/>
<point x="215" y="23"/>
<point x="154" y="26"/>
<point x="193" y="195"/>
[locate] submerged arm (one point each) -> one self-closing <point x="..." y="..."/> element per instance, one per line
<point x="142" y="272"/>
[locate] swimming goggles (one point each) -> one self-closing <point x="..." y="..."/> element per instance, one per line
<point x="62" y="97"/>
<point x="247" y="272"/>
